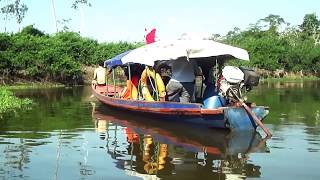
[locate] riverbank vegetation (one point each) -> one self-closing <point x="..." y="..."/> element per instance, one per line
<point x="276" y="48"/>
<point x="34" y="56"/>
<point x="9" y="102"/>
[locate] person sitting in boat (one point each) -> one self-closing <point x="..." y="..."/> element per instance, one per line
<point x="164" y="70"/>
<point x="99" y="76"/>
<point x="135" y="73"/>
<point x="180" y="87"/>
<point x="130" y="91"/>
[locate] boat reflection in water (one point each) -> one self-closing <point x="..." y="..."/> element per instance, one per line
<point x="172" y="150"/>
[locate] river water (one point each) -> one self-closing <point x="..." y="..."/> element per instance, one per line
<point x="67" y="134"/>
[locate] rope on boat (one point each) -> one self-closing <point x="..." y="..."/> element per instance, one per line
<point x="114" y="83"/>
<point x="129" y="74"/>
<point x="156" y="85"/>
<point x="153" y="88"/>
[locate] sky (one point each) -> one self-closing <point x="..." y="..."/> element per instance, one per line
<point x="126" y="20"/>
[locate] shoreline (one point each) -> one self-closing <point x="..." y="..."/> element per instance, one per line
<point x="32" y="85"/>
<point x="290" y="79"/>
<point x="37" y="85"/>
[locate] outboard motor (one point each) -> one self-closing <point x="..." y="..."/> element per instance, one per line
<point x="251" y="78"/>
<point x="235" y="82"/>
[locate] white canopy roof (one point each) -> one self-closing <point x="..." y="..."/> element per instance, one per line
<point x="172" y="50"/>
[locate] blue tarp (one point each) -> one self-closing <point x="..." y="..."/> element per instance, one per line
<point x="115" y="61"/>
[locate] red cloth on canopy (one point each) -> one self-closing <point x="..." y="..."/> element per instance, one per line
<point x="150" y="37"/>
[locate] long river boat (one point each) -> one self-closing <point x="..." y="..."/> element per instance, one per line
<point x="220" y="90"/>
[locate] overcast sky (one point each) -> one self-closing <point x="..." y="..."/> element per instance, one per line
<point x="125" y="20"/>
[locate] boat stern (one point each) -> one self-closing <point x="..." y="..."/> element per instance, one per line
<point x="237" y="118"/>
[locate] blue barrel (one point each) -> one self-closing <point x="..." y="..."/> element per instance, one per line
<point x="211" y="98"/>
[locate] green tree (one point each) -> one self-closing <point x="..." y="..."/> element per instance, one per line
<point x="15" y="9"/>
<point x="274" y="21"/>
<point x="310" y="24"/>
<point x="310" y="27"/>
<point x="81" y="4"/>
<point x="76" y="3"/>
<point x="30" y="30"/>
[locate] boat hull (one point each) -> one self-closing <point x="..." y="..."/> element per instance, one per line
<point x="231" y="117"/>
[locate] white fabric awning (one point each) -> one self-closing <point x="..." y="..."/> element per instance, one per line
<point x="171" y="50"/>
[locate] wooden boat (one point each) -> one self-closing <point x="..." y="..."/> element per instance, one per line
<point x="209" y="111"/>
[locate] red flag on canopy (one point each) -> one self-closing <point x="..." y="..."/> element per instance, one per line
<point x="150" y="37"/>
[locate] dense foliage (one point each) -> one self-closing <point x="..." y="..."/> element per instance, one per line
<point x="9" y="102"/>
<point x="291" y="50"/>
<point x="33" y="55"/>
